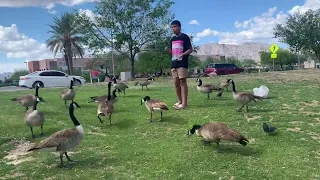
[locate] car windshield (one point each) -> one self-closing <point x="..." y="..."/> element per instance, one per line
<point x="33" y="73"/>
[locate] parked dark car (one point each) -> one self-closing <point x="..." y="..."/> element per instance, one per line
<point x="222" y="69"/>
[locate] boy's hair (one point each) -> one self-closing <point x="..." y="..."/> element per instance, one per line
<point x="176" y="22"/>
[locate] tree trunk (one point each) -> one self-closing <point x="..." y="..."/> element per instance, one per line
<point x="67" y="63"/>
<point x="281" y="66"/>
<point x="132" y="67"/>
<point x="69" y="51"/>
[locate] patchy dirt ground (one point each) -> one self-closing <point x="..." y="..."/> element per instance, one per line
<point x="16" y="155"/>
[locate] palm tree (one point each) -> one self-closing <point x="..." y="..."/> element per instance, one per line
<point x="66" y="37"/>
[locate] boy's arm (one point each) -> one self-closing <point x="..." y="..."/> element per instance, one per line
<point x="189" y="45"/>
<point x="169" y="50"/>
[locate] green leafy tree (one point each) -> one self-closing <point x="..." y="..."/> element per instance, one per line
<point x="19" y="72"/>
<point x="66" y="36"/>
<point x="193" y="61"/>
<point x="248" y="63"/>
<point x="301" y="31"/>
<point x="234" y="61"/>
<point x="127" y="25"/>
<point x="152" y="61"/>
<point x="284" y="57"/>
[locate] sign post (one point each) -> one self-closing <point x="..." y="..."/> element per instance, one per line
<point x="94" y="74"/>
<point x="273" y="48"/>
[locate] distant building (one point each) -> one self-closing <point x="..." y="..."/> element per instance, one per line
<point x="57" y="63"/>
<point x="309" y="64"/>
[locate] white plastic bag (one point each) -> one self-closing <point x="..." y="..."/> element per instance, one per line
<point x="262" y="91"/>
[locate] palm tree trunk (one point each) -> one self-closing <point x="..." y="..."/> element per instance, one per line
<point x="67" y="61"/>
<point x="70" y="59"/>
<point x="70" y="64"/>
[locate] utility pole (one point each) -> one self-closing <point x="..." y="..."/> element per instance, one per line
<point x="299" y="59"/>
<point x="113" y="71"/>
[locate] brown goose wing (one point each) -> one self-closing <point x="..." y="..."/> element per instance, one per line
<point x="158" y="104"/>
<point x="250" y="96"/>
<point x="211" y="86"/>
<point x="57" y="139"/>
<point x="226" y="133"/>
<point x="64" y="91"/>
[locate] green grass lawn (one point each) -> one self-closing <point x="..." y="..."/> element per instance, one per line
<point x="133" y="148"/>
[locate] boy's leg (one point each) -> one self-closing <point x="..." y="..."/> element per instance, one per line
<point x="183" y="74"/>
<point x="177" y="85"/>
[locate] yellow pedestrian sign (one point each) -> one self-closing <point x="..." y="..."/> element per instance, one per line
<point x="273" y="56"/>
<point x="274" y="48"/>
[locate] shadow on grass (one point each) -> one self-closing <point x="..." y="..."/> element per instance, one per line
<point x="128" y="95"/>
<point x="270" y="97"/>
<point x="175" y="120"/>
<point x="96" y="162"/>
<point x="124" y="123"/>
<point x="235" y="149"/>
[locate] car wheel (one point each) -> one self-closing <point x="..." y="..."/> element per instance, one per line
<point x="35" y="83"/>
<point x="77" y="82"/>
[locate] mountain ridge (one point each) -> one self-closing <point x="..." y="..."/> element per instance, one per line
<point x="246" y="50"/>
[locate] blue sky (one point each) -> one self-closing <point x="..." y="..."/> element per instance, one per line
<point x="24" y="25"/>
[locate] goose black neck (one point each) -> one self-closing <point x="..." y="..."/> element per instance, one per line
<point x="37" y="91"/>
<point x="115" y="80"/>
<point x="109" y="92"/>
<point x="71" y="85"/>
<point x="200" y="82"/>
<point x="35" y="105"/>
<point x="73" y="118"/>
<point x="233" y="87"/>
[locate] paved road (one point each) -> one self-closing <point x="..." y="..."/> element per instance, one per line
<point x="11" y="88"/>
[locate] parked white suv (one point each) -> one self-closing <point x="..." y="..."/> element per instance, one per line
<point x="49" y="78"/>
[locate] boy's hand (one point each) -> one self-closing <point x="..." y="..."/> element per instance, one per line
<point x="168" y="50"/>
<point x="180" y="57"/>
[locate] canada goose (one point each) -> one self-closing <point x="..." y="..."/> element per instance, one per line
<point x="244" y="98"/>
<point x="120" y="85"/>
<point x="68" y="94"/>
<point x="207" y="88"/>
<point x="225" y="84"/>
<point x="29" y="100"/>
<point x="34" y="118"/>
<point x="144" y="83"/>
<point x="114" y="97"/>
<point x="154" y="105"/>
<point x="106" y="107"/>
<point x="216" y="131"/>
<point x="63" y="140"/>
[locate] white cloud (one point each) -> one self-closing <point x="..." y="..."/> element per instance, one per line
<point x="194" y="22"/>
<point x="196" y="39"/>
<point x="17" y="45"/>
<point x="10" y="67"/>
<point x="47" y="4"/>
<point x="259" y="28"/>
<point x="309" y="4"/>
<point x="207" y="32"/>
<point x="88" y="13"/>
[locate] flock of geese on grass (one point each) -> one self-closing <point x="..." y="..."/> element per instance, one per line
<point x="66" y="139"/>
